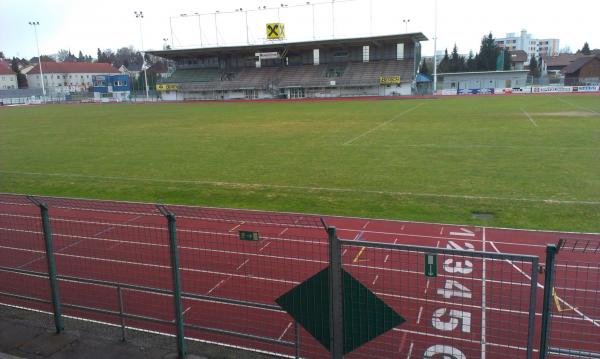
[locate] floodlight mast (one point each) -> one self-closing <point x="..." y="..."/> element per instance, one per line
<point x="435" y="48"/>
<point x="140" y="15"/>
<point x="35" y="24"/>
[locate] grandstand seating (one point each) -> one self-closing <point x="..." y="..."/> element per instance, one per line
<point x="307" y="76"/>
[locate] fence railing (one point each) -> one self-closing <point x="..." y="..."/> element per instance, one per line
<point x="216" y="275"/>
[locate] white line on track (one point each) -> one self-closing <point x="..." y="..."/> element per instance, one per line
<point x="397" y="116"/>
<point x="285" y="330"/>
<point x="185" y="311"/>
<point x="483" y="301"/>
<point x="375" y="280"/>
<point x="236" y="227"/>
<point x="344" y="252"/>
<point x="386" y="258"/>
<point x="410" y="350"/>
<point x="284" y="230"/>
<point x="420" y="314"/>
<point x="366" y="224"/>
<point x="243" y="264"/>
<point x="264" y="247"/>
<point x="529" y="117"/>
<point x="218" y="285"/>
<point x="596" y="322"/>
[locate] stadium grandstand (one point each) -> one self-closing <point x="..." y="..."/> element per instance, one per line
<point x="368" y="66"/>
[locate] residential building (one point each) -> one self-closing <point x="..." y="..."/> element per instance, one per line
<point x="132" y="70"/>
<point x="68" y="77"/>
<point x="8" y="79"/>
<point x="526" y="42"/>
<point x="518" y="59"/>
<point x="584" y="71"/>
<point x="552" y="66"/>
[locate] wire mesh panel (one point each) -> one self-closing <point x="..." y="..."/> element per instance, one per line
<point x="456" y="303"/>
<point x="22" y="249"/>
<point x="234" y="264"/>
<point x="574" y="326"/>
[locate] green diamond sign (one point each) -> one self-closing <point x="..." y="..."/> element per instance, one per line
<point x="365" y="316"/>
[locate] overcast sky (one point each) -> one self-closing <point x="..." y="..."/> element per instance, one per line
<point x="88" y="25"/>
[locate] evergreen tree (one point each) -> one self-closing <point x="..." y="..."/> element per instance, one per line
<point x="457" y="62"/>
<point x="534" y="68"/>
<point x="425" y="69"/>
<point x="507" y="61"/>
<point x="471" y="62"/>
<point x="444" y="65"/>
<point x="80" y="58"/>
<point x="1" y="55"/>
<point x="100" y="56"/>
<point x="586" y="49"/>
<point x="488" y="54"/>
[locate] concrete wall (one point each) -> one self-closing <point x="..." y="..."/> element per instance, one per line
<point x="8" y="82"/>
<point x="480" y="80"/>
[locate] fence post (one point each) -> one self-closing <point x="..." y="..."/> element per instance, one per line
<point x="120" y="297"/>
<point x="548" y="284"/>
<point x="47" y="232"/>
<point x="532" y="305"/>
<point x="176" y="281"/>
<point x="296" y="340"/>
<point x="336" y="325"/>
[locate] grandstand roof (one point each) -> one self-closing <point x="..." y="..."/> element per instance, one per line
<point x="212" y="51"/>
<point x="74" y="67"/>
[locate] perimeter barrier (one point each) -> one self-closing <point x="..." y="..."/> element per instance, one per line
<point x="285" y="284"/>
<point x="571" y="312"/>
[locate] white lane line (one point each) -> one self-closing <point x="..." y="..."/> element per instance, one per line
<point x="386" y="258"/>
<point x="236" y="227"/>
<point x="265" y="246"/>
<point x="483" y="302"/>
<point x="420" y="314"/>
<point x="359" y="236"/>
<point x="427" y="286"/>
<point x="307" y="188"/>
<point x="284" y="230"/>
<point x="442" y="231"/>
<point x="410" y="350"/>
<point x="596" y="322"/>
<point x="218" y="285"/>
<point x="285" y="330"/>
<point x="375" y="280"/>
<point x="366" y="224"/>
<point x="187" y="310"/>
<point x="243" y="264"/>
<point x="344" y="252"/>
<point x="529" y="117"/>
<point x="397" y="116"/>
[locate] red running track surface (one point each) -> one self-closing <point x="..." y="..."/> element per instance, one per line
<point x="473" y="309"/>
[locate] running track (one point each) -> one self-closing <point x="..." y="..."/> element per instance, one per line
<point x="475" y="308"/>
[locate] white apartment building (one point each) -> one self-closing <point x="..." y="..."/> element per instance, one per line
<point x="8" y="79"/>
<point x="67" y="77"/>
<point x="526" y="42"/>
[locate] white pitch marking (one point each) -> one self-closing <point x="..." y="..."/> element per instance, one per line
<point x="285" y="331"/>
<point x="243" y="264"/>
<point x="397" y="116"/>
<point x="577" y="106"/>
<point x="420" y="314"/>
<point x="375" y="280"/>
<point x="529" y="117"/>
<point x="328" y="189"/>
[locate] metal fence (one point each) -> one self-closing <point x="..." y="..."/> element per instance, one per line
<point x="572" y="299"/>
<point x="217" y="275"/>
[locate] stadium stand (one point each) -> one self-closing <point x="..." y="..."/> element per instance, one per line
<point x="373" y="66"/>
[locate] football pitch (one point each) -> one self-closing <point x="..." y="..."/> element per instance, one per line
<point x="509" y="161"/>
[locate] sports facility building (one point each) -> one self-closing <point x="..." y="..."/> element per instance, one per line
<point x="369" y="66"/>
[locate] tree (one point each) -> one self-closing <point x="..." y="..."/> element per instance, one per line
<point x="1" y="55"/>
<point x="471" y="63"/>
<point x="507" y="61"/>
<point x="45" y="58"/>
<point x="425" y="69"/>
<point x="80" y="58"/>
<point x="21" y="79"/>
<point x="65" y="56"/>
<point x="586" y="49"/>
<point x="457" y="62"/>
<point x="488" y="54"/>
<point x="534" y="68"/>
<point x="444" y="65"/>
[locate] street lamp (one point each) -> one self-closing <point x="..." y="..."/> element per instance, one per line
<point x="406" y="21"/>
<point x="435" y="47"/>
<point x="247" y="31"/>
<point x="35" y="24"/>
<point x="140" y="15"/>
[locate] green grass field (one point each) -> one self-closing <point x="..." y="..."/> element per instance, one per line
<point x="531" y="161"/>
